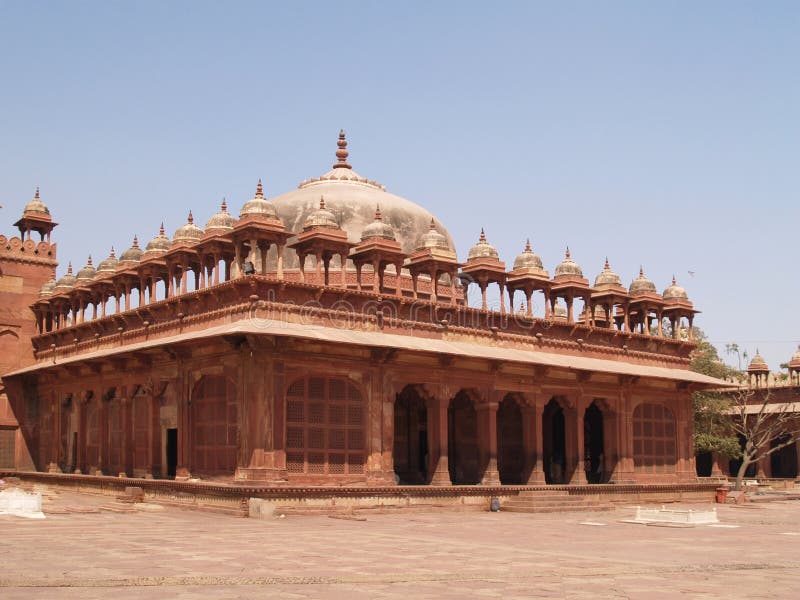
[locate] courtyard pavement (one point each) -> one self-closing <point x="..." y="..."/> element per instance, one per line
<point x="175" y="553"/>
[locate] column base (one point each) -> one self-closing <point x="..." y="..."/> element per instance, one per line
<point x="182" y="474"/>
<point x="536" y="478"/>
<point x="441" y="477"/>
<point x="53" y="468"/>
<point x="381" y="479"/>
<point x="491" y="478"/>
<point x="260" y="474"/>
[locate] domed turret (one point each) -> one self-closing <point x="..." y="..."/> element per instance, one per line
<point x="529" y="261"/>
<point x="36" y="206"/>
<point x="642" y="284"/>
<point x="794" y="363"/>
<point x="109" y="265"/>
<point x="433" y="239"/>
<point x="131" y="256"/>
<point x="321" y="217"/>
<point x="560" y="311"/>
<point x="607" y="278"/>
<point x="188" y="233"/>
<point x="674" y="291"/>
<point x="86" y="274"/>
<point x="568" y="267"/>
<point x="47" y="289"/>
<point x="483" y="249"/>
<point x="159" y="244"/>
<point x="758" y="364"/>
<point x="66" y="283"/>
<point x="378" y="229"/>
<point x="259" y="206"/>
<point x="222" y="222"/>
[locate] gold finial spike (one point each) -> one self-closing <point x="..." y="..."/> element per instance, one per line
<point x="482" y="239"/>
<point x="342" y="153"/>
<point x="259" y="190"/>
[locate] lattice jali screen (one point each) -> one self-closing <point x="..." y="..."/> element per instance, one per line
<point x="215" y="425"/>
<point x="325" y="427"/>
<point x="654" y="449"/>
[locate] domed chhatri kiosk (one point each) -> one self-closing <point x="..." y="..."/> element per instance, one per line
<point x="325" y="337"/>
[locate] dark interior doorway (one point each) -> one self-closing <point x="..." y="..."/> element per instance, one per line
<point x="462" y="438"/>
<point x="784" y="461"/>
<point x="736" y="463"/>
<point x="172" y="452"/>
<point x="703" y="464"/>
<point x="410" y="438"/>
<point x="510" y="450"/>
<point x="593" y="445"/>
<point x="554" y="442"/>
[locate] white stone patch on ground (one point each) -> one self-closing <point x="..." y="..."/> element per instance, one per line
<point x="675" y="516"/>
<point x="21" y="504"/>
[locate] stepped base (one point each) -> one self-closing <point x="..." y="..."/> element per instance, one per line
<point x="551" y="502"/>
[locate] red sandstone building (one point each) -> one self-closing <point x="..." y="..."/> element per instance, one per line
<point x="243" y="351"/>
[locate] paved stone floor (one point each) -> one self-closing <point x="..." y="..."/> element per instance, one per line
<point x="172" y="553"/>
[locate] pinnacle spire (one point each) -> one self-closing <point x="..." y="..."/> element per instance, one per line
<point x="69" y="269"/>
<point x="432" y="225"/>
<point x="113" y="254"/>
<point x="567" y="254"/>
<point x="322" y="202"/>
<point x="190" y="220"/>
<point x="224" y="207"/>
<point x="528" y="245"/>
<point x="37" y="193"/>
<point x="135" y="241"/>
<point x="161" y="231"/>
<point x="607" y="266"/>
<point x="482" y="239"/>
<point x="342" y="153"/>
<point x="89" y="262"/>
<point x="259" y="190"/>
<point x="378" y="215"/>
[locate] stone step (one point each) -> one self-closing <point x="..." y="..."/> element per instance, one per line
<point x="547" y="503"/>
<point x="555" y="509"/>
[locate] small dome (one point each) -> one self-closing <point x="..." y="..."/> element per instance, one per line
<point x="159" y="244"/>
<point x="607" y="277"/>
<point x="132" y="254"/>
<point x="36" y="205"/>
<point x="109" y="265"/>
<point x="47" y="289"/>
<point x="758" y="364"/>
<point x="321" y="217"/>
<point x="258" y="205"/>
<point x="568" y="267"/>
<point x="483" y="249"/>
<point x="378" y="229"/>
<point x="560" y="311"/>
<point x="222" y="222"/>
<point x="87" y="273"/>
<point x="642" y="284"/>
<point x="529" y="260"/>
<point x="188" y="233"/>
<point x="433" y="239"/>
<point x="67" y="282"/>
<point x="675" y="291"/>
<point x="794" y="363"/>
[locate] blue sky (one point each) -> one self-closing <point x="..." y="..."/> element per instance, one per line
<point x="662" y="134"/>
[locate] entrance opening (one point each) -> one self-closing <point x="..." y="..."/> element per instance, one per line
<point x="410" y="438"/>
<point x="510" y="451"/>
<point x="172" y="452"/>
<point x="554" y="442"/>
<point x="703" y="464"/>
<point x="462" y="440"/>
<point x="784" y="461"/>
<point x="735" y="463"/>
<point x="593" y="445"/>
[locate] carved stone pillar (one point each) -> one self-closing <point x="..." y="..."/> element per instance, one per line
<point x="578" y="416"/>
<point x="533" y="441"/>
<point x="487" y="441"/>
<point x="437" y="442"/>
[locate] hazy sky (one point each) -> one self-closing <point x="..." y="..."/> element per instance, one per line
<point x="663" y="134"/>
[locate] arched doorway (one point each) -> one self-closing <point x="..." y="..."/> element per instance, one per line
<point x="784" y="461"/>
<point x="462" y="440"/>
<point x="410" y="437"/>
<point x="594" y="444"/>
<point x="510" y="449"/>
<point x="554" y="442"/>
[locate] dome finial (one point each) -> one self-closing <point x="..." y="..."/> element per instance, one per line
<point x="259" y="190"/>
<point x="37" y="193"/>
<point x="69" y="272"/>
<point x="567" y="255"/>
<point x="482" y="239"/>
<point x="89" y="262"/>
<point x="674" y="282"/>
<point x="224" y="206"/>
<point x="160" y="231"/>
<point x="190" y="219"/>
<point x="607" y="266"/>
<point x="432" y="225"/>
<point x="342" y="153"/>
<point x="113" y="254"/>
<point x="641" y="272"/>
<point x="322" y="202"/>
<point x="135" y="241"/>
<point x="528" y="245"/>
<point x="378" y="215"/>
